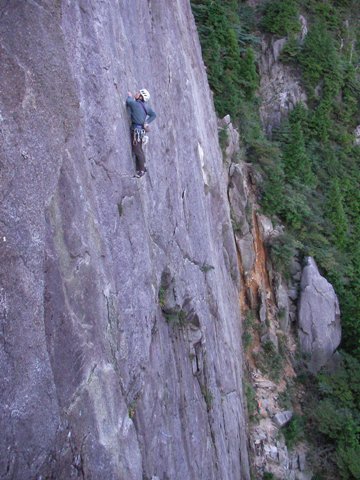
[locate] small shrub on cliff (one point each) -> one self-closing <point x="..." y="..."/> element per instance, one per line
<point x="269" y="361"/>
<point x="268" y="476"/>
<point x="282" y="249"/>
<point x="176" y="318"/>
<point x="223" y="139"/>
<point x="291" y="50"/>
<point x="294" y="432"/>
<point x="208" y="397"/>
<point x="251" y="402"/>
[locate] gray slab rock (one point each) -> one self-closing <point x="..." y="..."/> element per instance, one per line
<point x="282" y="418"/>
<point x="95" y="381"/>
<point x="282" y="299"/>
<point x="319" y="326"/>
<point x="240" y="207"/>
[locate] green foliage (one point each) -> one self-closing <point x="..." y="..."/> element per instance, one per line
<point x="337" y="415"/>
<point x="273" y="201"/>
<point x="249" y="76"/>
<point x="291" y="50"/>
<point x="161" y="296"/>
<point x="247" y="339"/>
<point x="176" y="318"/>
<point x="297" y="163"/>
<point x="269" y="361"/>
<point x="132" y="410"/>
<point x="336" y="214"/>
<point x="282" y="250"/>
<point x="281" y="17"/>
<point x="223" y="139"/>
<point x="208" y="397"/>
<point x="268" y="476"/>
<point x="227" y="53"/>
<point x="249" y="319"/>
<point x="248" y="325"/>
<point x="251" y="402"/>
<point x="320" y="61"/>
<point x="285" y="397"/>
<point x="294" y="431"/>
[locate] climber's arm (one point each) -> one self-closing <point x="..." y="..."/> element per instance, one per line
<point x="151" y="115"/>
<point x="130" y="99"/>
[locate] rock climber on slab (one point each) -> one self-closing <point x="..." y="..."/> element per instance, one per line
<point x="141" y="116"/>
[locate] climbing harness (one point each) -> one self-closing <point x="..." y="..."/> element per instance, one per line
<point x="138" y="134"/>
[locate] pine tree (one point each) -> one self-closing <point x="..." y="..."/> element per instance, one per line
<point x="336" y="214"/>
<point x="249" y="76"/>
<point x="297" y="163"/>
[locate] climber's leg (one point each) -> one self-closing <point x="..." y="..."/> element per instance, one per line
<point x="138" y="152"/>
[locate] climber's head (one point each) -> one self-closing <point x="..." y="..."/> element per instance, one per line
<point x="143" y="94"/>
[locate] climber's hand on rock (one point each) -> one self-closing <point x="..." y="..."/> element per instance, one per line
<point x="146" y="127"/>
<point x="129" y="94"/>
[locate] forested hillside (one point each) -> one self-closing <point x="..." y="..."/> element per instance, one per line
<point x="310" y="170"/>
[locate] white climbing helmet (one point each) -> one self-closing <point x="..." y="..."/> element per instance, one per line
<point x="145" y="94"/>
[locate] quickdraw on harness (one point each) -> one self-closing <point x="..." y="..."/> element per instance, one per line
<point x="138" y="134"/>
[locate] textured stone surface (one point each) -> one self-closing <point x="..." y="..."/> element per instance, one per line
<point x="96" y="383"/>
<point x="282" y="300"/>
<point x="319" y="326"/>
<point x="280" y="87"/>
<point x="232" y="141"/>
<point x="241" y="208"/>
<point x="282" y="418"/>
<point x="270" y="453"/>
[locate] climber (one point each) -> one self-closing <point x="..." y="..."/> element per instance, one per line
<point x="141" y="116"/>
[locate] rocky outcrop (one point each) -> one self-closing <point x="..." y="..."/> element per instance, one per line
<point x="270" y="452"/>
<point x="280" y="87"/>
<point x="120" y="327"/>
<point x="269" y="304"/>
<point x="319" y="317"/>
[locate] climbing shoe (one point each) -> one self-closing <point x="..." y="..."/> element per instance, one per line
<point x="140" y="173"/>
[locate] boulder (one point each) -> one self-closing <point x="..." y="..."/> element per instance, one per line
<point x="319" y="326"/>
<point x="282" y="418"/>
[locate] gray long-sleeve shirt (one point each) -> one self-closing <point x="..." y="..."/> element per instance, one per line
<point x="140" y="113"/>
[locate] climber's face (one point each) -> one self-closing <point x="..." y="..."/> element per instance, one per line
<point x="137" y="95"/>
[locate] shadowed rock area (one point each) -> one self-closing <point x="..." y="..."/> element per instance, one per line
<point x="119" y="297"/>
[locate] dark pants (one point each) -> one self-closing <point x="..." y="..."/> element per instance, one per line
<point x="138" y="152"/>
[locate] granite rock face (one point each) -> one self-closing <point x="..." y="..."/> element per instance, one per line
<point x="98" y="379"/>
<point x="318" y="316"/>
